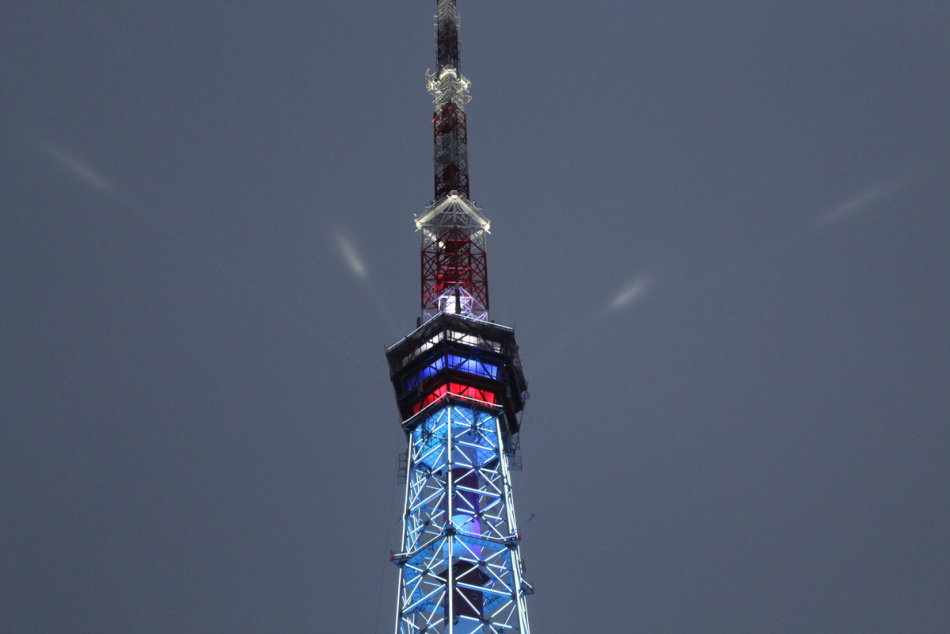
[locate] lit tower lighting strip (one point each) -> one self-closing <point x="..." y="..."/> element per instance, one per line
<point x="460" y="389"/>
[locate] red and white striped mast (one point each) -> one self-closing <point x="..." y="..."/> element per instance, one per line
<point x="454" y="266"/>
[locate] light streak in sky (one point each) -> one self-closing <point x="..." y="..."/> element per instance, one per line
<point x="355" y="261"/>
<point x="861" y="202"/>
<point x="627" y="295"/>
<point x="630" y="293"/>
<point x="351" y="255"/>
<point x="634" y="291"/>
<point x="93" y="179"/>
<point x="78" y="168"/>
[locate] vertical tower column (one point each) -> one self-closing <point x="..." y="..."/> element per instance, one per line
<point x="454" y="262"/>
<point x="459" y="387"/>
<point x="450" y="94"/>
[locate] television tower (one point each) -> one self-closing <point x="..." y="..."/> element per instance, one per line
<point x="459" y="389"/>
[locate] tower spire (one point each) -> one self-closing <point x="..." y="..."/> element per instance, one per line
<point x="447" y="34"/>
<point x="460" y="389"/>
<point x="450" y="94"/>
<point x="454" y="262"/>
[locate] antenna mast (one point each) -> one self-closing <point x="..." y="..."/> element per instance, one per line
<point x="454" y="264"/>
<point x="459" y="389"/>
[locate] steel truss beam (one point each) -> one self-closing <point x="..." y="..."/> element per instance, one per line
<point x="454" y="261"/>
<point x="460" y="564"/>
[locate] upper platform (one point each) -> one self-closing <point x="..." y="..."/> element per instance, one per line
<point x="453" y="358"/>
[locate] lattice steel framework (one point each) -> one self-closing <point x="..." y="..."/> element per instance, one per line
<point x="450" y="94"/>
<point x="454" y="265"/>
<point x="460" y="387"/>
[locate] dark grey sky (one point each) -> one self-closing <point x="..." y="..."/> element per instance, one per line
<point x="722" y="231"/>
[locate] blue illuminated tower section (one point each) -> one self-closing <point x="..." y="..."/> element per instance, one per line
<point x="460" y="389"/>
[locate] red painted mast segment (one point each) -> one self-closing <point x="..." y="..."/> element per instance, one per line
<point x="454" y="262"/>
